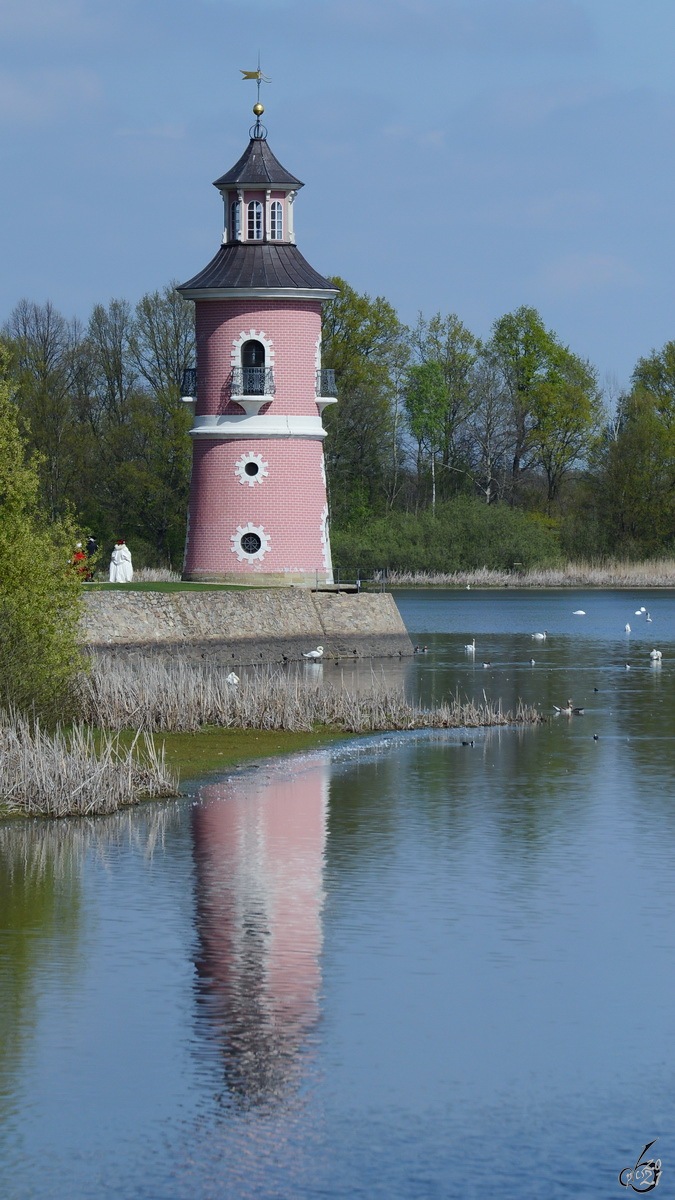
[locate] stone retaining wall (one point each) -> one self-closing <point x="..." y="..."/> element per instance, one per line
<point x="245" y="627"/>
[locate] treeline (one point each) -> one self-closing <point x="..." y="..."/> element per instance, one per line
<point x="444" y="451"/>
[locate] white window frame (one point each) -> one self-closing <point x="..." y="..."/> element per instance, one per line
<point x="254" y="221"/>
<point x="276" y="221"/>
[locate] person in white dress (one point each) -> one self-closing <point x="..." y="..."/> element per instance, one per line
<point x="121" y="570"/>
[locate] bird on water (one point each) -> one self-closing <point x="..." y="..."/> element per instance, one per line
<point x="540" y="637"/>
<point x="313" y="654"/>
<point x="470" y="647"/>
<point x="568" y="709"/>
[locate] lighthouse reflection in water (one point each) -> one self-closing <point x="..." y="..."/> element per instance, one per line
<point x="259" y="855"/>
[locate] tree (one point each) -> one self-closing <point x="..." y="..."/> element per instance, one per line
<point x="447" y="342"/>
<point x="566" y="413"/>
<point x="40" y="596"/>
<point x="523" y="350"/>
<point x="364" y="342"/>
<point x="426" y="402"/>
<point x="488" y="430"/>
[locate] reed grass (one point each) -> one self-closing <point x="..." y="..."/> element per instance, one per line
<point x="178" y="695"/>
<point x="156" y="575"/>
<point x="659" y="573"/>
<point x="76" y="772"/>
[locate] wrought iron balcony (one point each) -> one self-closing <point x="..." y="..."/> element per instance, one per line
<point x="325" y="382"/>
<point x="188" y="385"/>
<point x="252" y="381"/>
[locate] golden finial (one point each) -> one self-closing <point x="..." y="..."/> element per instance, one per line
<point x="258" y="109"/>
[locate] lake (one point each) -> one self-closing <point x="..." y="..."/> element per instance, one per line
<point x="403" y="967"/>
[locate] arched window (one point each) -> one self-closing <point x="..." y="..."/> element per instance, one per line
<point x="276" y="221"/>
<point x="255" y="221"/>
<point x="235" y="221"/>
<point x="253" y="368"/>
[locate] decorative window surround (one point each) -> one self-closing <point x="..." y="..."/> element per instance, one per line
<point x="244" y="469"/>
<point x="238" y="549"/>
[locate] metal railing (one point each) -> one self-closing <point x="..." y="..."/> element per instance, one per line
<point x="325" y="382"/>
<point x="252" y="381"/>
<point x="188" y="385"/>
<point x="357" y="578"/>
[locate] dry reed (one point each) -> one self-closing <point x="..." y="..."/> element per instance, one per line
<point x="660" y="573"/>
<point x="177" y="695"/>
<point x="155" y="575"/>
<point x="74" y="772"/>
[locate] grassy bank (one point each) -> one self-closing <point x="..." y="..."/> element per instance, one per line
<point x="657" y="574"/>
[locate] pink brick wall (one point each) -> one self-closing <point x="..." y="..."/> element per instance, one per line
<point x="292" y="326"/>
<point x="289" y="502"/>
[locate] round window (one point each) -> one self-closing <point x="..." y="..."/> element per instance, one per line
<point x="251" y="543"/>
<point x="251" y="468"/>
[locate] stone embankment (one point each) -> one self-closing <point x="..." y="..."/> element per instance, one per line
<point x="240" y="628"/>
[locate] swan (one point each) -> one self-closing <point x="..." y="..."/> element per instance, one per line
<point x="579" y="612"/>
<point x="541" y="637"/>
<point x="232" y="678"/>
<point x="655" y="655"/>
<point x="470" y="647"/>
<point x="313" y="654"/>
<point x="627" y="628"/>
<point x="648" y="618"/>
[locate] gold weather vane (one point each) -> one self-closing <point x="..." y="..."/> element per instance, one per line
<point x="259" y="77"/>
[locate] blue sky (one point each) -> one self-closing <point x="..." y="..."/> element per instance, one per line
<point x="459" y="155"/>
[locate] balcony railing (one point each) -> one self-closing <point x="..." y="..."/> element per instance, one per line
<point x="188" y="385"/>
<point x="252" y="381"/>
<point x="325" y="382"/>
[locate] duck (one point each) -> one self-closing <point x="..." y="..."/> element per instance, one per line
<point x="470" y="647"/>
<point x="568" y="709"/>
<point x="656" y="655"/>
<point x="468" y="743"/>
<point x="541" y="637"/>
<point x="313" y="654"/>
<point x="487" y="664"/>
<point x="532" y="662"/>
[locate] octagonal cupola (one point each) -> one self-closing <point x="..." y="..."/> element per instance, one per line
<point x="258" y="195"/>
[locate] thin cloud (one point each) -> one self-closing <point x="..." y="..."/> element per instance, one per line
<point x="577" y="272"/>
<point x="42" y="96"/>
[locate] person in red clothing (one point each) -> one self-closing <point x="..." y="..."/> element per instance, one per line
<point x="79" y="561"/>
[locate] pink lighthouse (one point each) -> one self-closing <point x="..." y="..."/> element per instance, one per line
<point x="258" y="509"/>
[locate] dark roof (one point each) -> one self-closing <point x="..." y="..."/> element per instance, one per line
<point x="259" y="168"/>
<point x="261" y="265"/>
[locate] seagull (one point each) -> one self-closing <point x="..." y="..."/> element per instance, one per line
<point x="579" y="612"/>
<point x="232" y="678"/>
<point x="541" y="637"/>
<point x="656" y="655"/>
<point x="627" y="628"/>
<point x="313" y="654"/>
<point x="470" y="647"/>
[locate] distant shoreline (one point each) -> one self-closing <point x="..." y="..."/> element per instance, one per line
<point x="617" y="576"/>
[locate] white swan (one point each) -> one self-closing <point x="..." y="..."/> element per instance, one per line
<point x="471" y="647"/>
<point x="313" y="654"/>
<point x="232" y="678"/>
<point x="579" y="612"/>
<point x="541" y="637"/>
<point x="655" y="655"/>
<point x="627" y="628"/>
<point x="648" y="618"/>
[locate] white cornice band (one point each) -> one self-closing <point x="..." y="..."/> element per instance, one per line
<point x="265" y="426"/>
<point x="258" y="293"/>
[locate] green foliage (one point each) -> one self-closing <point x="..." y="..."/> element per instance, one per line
<point x="465" y="534"/>
<point x="40" y="596"/>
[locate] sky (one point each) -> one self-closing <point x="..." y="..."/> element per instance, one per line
<point x="463" y="156"/>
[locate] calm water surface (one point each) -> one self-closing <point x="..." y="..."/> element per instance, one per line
<point x="403" y="968"/>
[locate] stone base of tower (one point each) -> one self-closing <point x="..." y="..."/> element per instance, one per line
<point x="302" y="579"/>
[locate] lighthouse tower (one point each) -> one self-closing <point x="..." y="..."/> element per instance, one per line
<point x="258" y="510"/>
